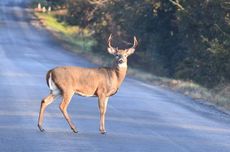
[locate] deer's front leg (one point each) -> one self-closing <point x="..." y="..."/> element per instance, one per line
<point x="102" y="104"/>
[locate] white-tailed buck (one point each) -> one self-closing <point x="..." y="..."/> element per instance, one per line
<point x="102" y="82"/>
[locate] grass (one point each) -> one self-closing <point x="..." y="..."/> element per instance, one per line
<point x="72" y="35"/>
<point x="218" y="96"/>
<point x="79" y="40"/>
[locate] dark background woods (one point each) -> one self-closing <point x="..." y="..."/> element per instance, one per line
<point x="182" y="39"/>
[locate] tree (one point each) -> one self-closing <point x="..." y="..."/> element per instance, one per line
<point x="204" y="29"/>
<point x="186" y="39"/>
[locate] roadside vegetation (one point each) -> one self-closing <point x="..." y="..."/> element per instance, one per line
<point x="184" y="45"/>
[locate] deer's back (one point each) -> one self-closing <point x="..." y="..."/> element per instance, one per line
<point x="84" y="81"/>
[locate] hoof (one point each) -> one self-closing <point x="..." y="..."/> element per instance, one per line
<point x="74" y="130"/>
<point x="103" y="132"/>
<point x="40" y="128"/>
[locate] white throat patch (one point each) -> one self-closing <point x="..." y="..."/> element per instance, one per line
<point x="123" y="65"/>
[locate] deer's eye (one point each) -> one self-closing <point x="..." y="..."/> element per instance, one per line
<point x="117" y="56"/>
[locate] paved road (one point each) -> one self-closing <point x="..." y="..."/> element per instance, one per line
<point x="140" y="117"/>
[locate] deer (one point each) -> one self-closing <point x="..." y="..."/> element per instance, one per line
<point x="102" y="82"/>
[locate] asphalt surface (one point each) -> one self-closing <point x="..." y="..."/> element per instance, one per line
<point x="140" y="117"/>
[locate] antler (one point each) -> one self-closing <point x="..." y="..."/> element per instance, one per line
<point x="111" y="50"/>
<point x="109" y="41"/>
<point x="135" y="43"/>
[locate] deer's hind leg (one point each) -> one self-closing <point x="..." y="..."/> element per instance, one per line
<point x="67" y="96"/>
<point x="44" y="103"/>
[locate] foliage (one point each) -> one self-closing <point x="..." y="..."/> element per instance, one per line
<point x="57" y="4"/>
<point x="205" y="32"/>
<point x="36" y="2"/>
<point x="186" y="39"/>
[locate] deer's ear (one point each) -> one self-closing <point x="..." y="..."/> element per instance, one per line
<point x="112" y="51"/>
<point x="130" y="51"/>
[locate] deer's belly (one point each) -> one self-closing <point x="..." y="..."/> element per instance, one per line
<point x="84" y="94"/>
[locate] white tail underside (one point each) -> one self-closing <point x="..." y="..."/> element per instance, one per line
<point x="54" y="89"/>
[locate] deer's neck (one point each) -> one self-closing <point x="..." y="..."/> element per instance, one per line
<point x="120" y="73"/>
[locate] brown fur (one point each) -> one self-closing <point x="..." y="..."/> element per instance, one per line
<point x="88" y="81"/>
<point x="102" y="82"/>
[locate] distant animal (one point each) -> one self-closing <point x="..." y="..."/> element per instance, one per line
<point x="103" y="82"/>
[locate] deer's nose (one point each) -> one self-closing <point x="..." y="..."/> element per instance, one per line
<point x="120" y="61"/>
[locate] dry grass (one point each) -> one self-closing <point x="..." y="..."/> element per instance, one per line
<point x="219" y="96"/>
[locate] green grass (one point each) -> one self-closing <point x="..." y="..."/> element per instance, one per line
<point x="73" y="35"/>
<point x="51" y="22"/>
<point x="79" y="40"/>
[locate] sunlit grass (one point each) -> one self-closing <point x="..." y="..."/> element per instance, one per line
<point x="51" y="22"/>
<point x="80" y="38"/>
